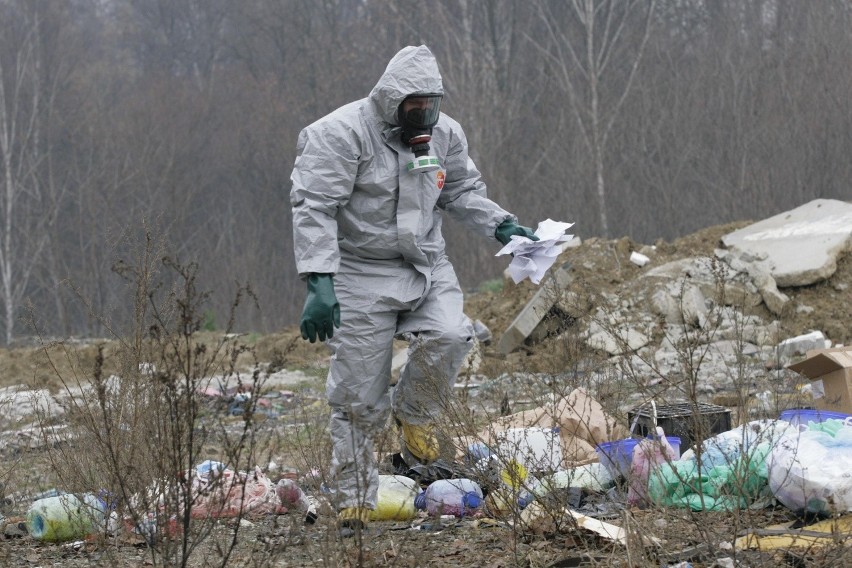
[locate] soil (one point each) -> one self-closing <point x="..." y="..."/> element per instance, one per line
<point x="598" y="266"/>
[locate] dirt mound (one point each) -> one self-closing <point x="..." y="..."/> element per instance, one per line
<point x="602" y="267"/>
<point x="598" y="266"/>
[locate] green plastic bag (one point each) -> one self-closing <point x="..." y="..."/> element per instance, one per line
<point x="724" y="487"/>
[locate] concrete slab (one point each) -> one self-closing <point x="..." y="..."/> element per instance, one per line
<point x="535" y="310"/>
<point x="801" y="246"/>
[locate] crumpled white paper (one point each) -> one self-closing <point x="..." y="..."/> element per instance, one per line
<point x="531" y="258"/>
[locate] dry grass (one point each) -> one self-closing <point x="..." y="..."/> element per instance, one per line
<point x="298" y="441"/>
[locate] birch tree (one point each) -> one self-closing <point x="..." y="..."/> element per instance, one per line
<point x="28" y="86"/>
<point x="594" y="48"/>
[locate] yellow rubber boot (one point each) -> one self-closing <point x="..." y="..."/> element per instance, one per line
<point x="420" y="441"/>
<point x="352" y="520"/>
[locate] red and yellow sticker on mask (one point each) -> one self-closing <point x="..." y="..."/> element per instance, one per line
<point x="440" y="177"/>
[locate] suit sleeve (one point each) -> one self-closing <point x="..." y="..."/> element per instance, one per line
<point x="322" y="181"/>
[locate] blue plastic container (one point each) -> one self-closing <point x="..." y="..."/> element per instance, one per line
<point x="801" y="416"/>
<point x="617" y="455"/>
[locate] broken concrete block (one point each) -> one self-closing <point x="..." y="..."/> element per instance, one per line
<point x="694" y="306"/>
<point x="664" y="304"/>
<point x="801" y="344"/>
<point x="535" y="311"/>
<point x="800" y="246"/>
<point x="554" y="322"/>
<point x="716" y="281"/>
<point x="776" y="301"/>
<point x="745" y="262"/>
<point x="571" y="304"/>
<point x="618" y="341"/>
<point x="764" y="335"/>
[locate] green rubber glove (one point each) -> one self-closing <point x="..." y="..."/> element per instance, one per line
<point x="507" y="228"/>
<point x="321" y="313"/>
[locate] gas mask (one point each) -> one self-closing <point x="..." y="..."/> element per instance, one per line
<point x="417" y="115"/>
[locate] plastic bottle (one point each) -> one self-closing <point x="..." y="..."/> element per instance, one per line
<point x="593" y="477"/>
<point x="209" y="469"/>
<point x="457" y="497"/>
<point x="49" y="493"/>
<point x="395" y="499"/>
<point x="514" y="475"/>
<point x="508" y="481"/>
<point x="506" y="473"/>
<point x="291" y="495"/>
<point x="476" y="452"/>
<point x="66" y="517"/>
<point x="502" y="502"/>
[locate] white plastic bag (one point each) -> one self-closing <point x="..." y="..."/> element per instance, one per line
<point x="812" y="471"/>
<point x="537" y="449"/>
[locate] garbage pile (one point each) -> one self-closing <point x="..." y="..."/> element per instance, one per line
<point x="567" y="459"/>
<point x="214" y="491"/>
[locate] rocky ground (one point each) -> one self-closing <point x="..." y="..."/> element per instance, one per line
<point x="600" y="269"/>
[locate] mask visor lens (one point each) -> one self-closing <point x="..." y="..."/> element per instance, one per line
<point x="422" y="111"/>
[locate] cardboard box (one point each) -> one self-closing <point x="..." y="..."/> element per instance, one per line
<point x="830" y="373"/>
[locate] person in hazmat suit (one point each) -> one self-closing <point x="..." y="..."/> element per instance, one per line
<point x="369" y="186"/>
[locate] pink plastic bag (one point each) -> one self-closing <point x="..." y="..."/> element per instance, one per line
<point x="231" y="494"/>
<point x="648" y="454"/>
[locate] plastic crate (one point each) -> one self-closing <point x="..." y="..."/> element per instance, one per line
<point x="690" y="422"/>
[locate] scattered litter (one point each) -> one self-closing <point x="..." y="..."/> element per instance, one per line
<point x="728" y="472"/>
<point x="648" y="454"/>
<point x="68" y="517"/>
<point x="639" y="259"/>
<point x="291" y="495"/>
<point x="457" y="497"/>
<point x="395" y="500"/>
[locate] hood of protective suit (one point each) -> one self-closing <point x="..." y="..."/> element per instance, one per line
<point x="413" y="70"/>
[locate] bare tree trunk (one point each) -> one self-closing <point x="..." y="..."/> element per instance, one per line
<point x="33" y="53"/>
<point x="9" y="191"/>
<point x="16" y="131"/>
<point x="582" y="69"/>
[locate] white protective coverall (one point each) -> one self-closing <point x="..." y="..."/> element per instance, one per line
<point x="360" y="215"/>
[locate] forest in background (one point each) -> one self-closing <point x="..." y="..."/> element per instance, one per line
<point x="178" y="118"/>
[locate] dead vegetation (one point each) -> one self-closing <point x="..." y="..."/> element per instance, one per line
<point x="295" y="441"/>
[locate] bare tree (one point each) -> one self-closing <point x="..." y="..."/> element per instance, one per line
<point x="598" y="72"/>
<point x="649" y="117"/>
<point x="184" y="38"/>
<point x="32" y="71"/>
<point x="740" y="111"/>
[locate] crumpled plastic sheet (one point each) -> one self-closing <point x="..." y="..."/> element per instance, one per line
<point x="218" y="492"/>
<point x="223" y="493"/>
<point x="809" y="471"/>
<point x="732" y="474"/>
